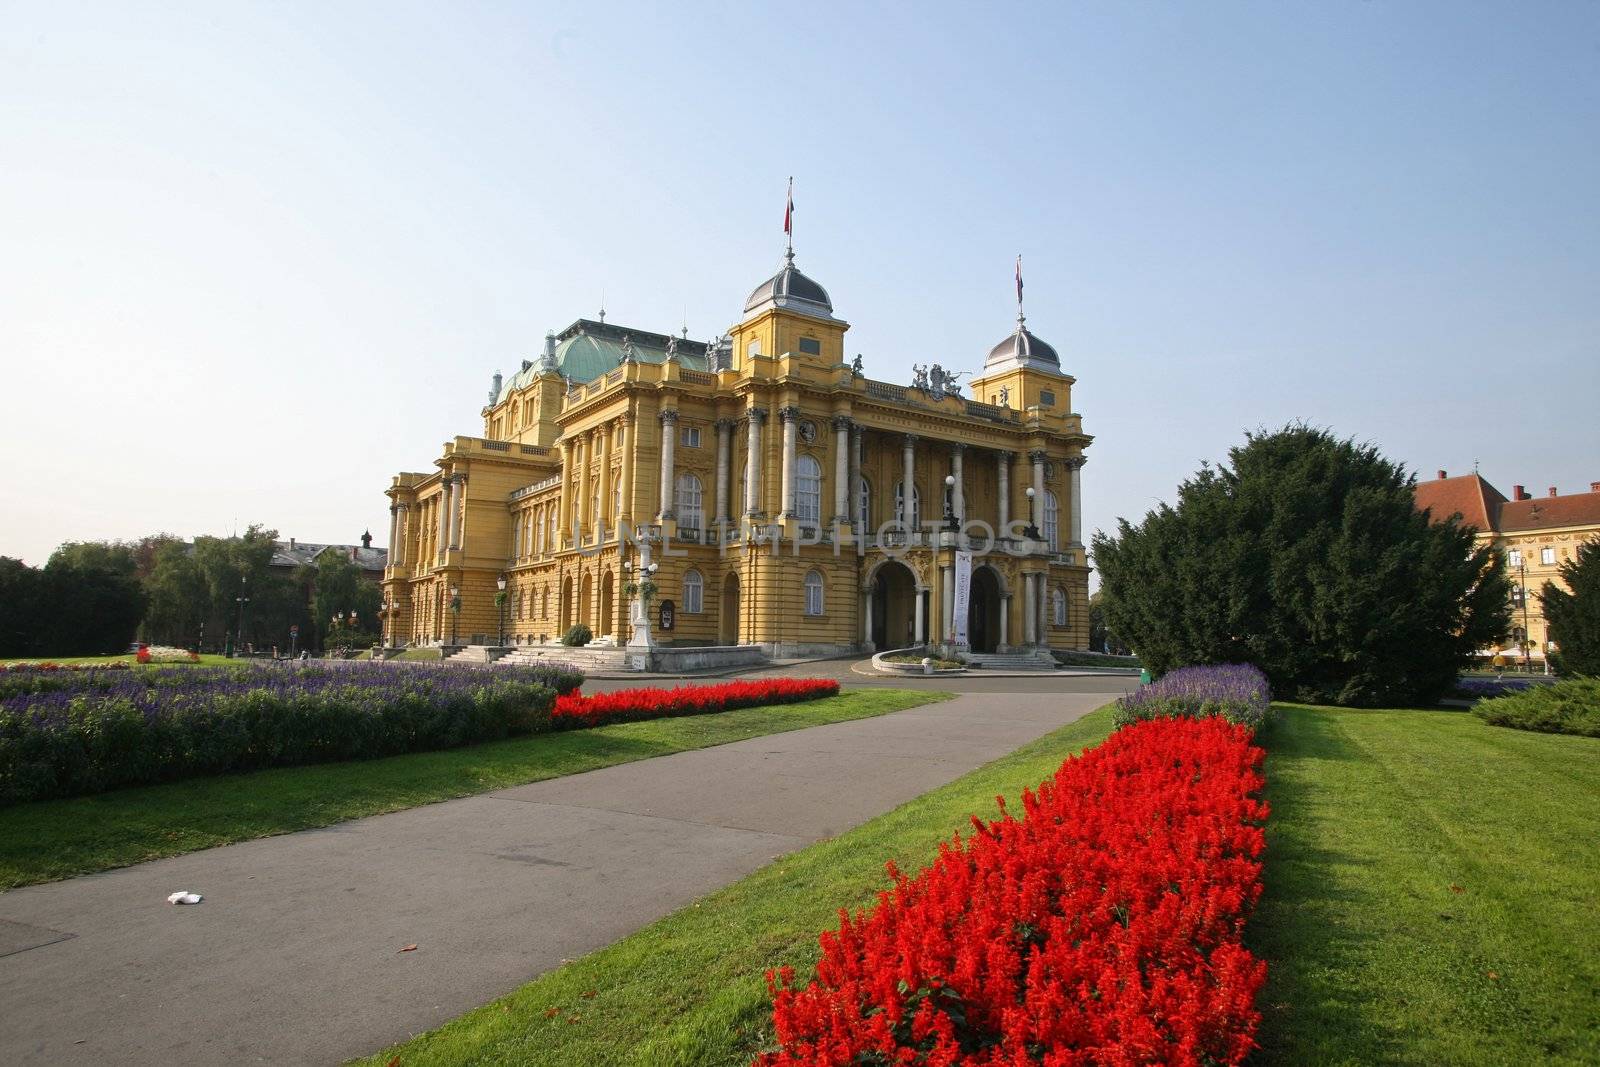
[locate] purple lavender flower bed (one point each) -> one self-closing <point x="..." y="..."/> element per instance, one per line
<point x="1476" y="688"/>
<point x="70" y="733"/>
<point x="1238" y="692"/>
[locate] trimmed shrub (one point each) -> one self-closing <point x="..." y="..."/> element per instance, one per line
<point x="71" y="733"/>
<point x="577" y="635"/>
<point x="1236" y="692"/>
<point x="575" y="711"/>
<point x="1570" y="706"/>
<point x="1101" y="928"/>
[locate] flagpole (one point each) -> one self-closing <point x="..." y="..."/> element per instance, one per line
<point x="788" y="222"/>
<point x="1020" y="317"/>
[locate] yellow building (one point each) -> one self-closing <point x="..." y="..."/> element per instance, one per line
<point x="773" y="472"/>
<point x="1535" y="534"/>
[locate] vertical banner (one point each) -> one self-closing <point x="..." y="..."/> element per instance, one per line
<point x="963" y="594"/>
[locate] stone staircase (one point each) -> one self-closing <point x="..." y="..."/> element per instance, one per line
<point x="583" y="658"/>
<point x="1037" y="660"/>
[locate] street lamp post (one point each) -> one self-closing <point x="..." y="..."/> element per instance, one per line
<point x="1527" y="638"/>
<point x="500" y="602"/>
<point x="1031" y="531"/>
<point x="242" y="600"/>
<point x="951" y="523"/>
<point x="455" y="611"/>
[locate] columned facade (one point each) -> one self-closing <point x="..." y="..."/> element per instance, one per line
<point x="844" y="546"/>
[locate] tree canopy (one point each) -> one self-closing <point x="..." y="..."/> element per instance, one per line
<point x="1306" y="556"/>
<point x="1573" y="613"/>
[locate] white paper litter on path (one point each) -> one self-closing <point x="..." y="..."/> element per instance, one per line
<point x="183" y="896"/>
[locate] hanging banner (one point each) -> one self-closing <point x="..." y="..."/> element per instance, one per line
<point x="963" y="594"/>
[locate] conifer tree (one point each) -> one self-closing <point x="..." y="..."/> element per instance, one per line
<point x="1574" y="617"/>
<point x="1307" y="557"/>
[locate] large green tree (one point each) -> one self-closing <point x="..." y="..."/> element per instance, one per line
<point x="341" y="589"/>
<point x="21" y="593"/>
<point x="92" y="599"/>
<point x="1305" y="555"/>
<point x="1574" y="616"/>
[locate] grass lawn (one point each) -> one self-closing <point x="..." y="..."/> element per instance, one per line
<point x="1432" y="891"/>
<point x="688" y="990"/>
<point x="206" y="660"/>
<point x="1431" y="897"/>
<point x="52" y="839"/>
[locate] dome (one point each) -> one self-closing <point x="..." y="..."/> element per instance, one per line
<point x="791" y="290"/>
<point x="1022" y="348"/>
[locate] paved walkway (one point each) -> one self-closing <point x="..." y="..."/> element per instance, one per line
<point x="295" y="955"/>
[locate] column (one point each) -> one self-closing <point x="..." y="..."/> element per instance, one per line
<point x="958" y="493"/>
<point x="569" y="465"/>
<point x="856" y="434"/>
<point x="724" y="465"/>
<point x="452" y="509"/>
<point x="669" y="441"/>
<point x="394" y="533"/>
<point x="1036" y="515"/>
<point x="604" y="516"/>
<point x="1074" y="466"/>
<point x="841" y="470"/>
<point x="1042" y="608"/>
<point x="920" y="636"/>
<point x="866" y="635"/>
<point x="629" y="446"/>
<point x="581" y="490"/>
<point x="752" y="464"/>
<point x="1029" y="611"/>
<point x="1005" y="623"/>
<point x="404" y="532"/>
<point x="908" y="481"/>
<point x="459" y="513"/>
<point x="947" y="583"/>
<point x="790" y="416"/>
<point x="1003" y="469"/>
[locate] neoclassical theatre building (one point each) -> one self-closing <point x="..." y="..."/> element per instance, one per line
<point x="773" y="474"/>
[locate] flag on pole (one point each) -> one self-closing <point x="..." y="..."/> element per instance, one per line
<point x="1019" y="279"/>
<point x="788" y="211"/>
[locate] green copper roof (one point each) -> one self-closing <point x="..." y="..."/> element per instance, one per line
<point x="588" y="349"/>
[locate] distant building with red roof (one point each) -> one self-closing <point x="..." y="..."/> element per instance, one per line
<point x="1536" y="535"/>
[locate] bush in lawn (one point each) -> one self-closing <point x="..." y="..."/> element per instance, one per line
<point x="1101" y="928"/>
<point x="1574" y="616"/>
<point x="1307" y="557"/>
<point x="75" y="733"/>
<point x="1570" y="706"/>
<point x="577" y="635"/>
<point x="1236" y="692"/>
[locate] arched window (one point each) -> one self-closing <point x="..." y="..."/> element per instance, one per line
<point x="1058" y="608"/>
<point x="807" y="489"/>
<point x="686" y="501"/>
<point x="599" y="496"/>
<point x="813" y="586"/>
<point x="616" y="500"/>
<point x="916" y="505"/>
<point x="516" y="535"/>
<point x="544" y="604"/>
<point x="694" y="588"/>
<point x="1052" y="513"/>
<point x="555" y="531"/>
<point x="863" y="501"/>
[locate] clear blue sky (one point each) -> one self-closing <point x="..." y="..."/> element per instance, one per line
<point x="255" y="259"/>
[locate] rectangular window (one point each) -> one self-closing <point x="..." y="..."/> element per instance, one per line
<point x="1047" y="399"/>
<point x="753" y="348"/>
<point x="1514" y="558"/>
<point x="691" y="437"/>
<point x="811" y="346"/>
<point x="1547" y="556"/>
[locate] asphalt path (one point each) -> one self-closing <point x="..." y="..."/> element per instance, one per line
<point x="302" y="949"/>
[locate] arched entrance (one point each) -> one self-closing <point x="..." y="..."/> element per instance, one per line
<point x="565" y="617"/>
<point x="607" y="604"/>
<point x="586" y="599"/>
<point x="983" y="611"/>
<point x="893" y="602"/>
<point x="728" y="631"/>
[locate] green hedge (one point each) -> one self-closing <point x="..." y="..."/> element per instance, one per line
<point x="72" y="743"/>
<point x="1570" y="706"/>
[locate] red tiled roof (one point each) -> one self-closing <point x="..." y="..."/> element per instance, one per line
<point x="1467" y="495"/>
<point x="1549" y="512"/>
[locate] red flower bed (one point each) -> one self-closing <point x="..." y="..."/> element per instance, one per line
<point x="1101" y="928"/>
<point x="575" y="711"/>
